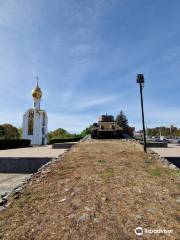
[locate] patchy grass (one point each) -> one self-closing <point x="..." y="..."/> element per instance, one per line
<point x="64" y="170"/>
<point x="107" y="173"/>
<point x="176" y="172"/>
<point x="155" y="172"/>
<point x="101" y="190"/>
<point x="101" y="161"/>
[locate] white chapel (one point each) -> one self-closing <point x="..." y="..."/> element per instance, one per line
<point x="35" y="120"/>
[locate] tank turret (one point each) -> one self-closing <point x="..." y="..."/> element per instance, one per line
<point x="106" y="127"/>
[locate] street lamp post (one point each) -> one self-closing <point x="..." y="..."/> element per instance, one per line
<point x="140" y="80"/>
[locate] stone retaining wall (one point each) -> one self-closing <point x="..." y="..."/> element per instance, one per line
<point x="21" y="164"/>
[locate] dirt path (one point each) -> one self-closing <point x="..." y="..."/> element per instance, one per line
<point x="101" y="190"/>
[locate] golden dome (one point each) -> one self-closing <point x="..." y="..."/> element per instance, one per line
<point x="36" y="92"/>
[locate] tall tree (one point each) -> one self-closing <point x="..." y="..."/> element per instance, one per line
<point x="2" y="132"/>
<point x="122" y="121"/>
<point x="59" y="133"/>
<point x="11" y="132"/>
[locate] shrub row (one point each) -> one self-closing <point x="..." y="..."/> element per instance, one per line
<point x="155" y="144"/>
<point x="14" y="143"/>
<point x="61" y="140"/>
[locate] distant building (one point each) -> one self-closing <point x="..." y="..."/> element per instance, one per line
<point x="138" y="134"/>
<point x="35" y="120"/>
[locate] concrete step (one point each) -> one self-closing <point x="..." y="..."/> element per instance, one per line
<point x="63" y="145"/>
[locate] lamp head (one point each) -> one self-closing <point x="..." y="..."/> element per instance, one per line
<point x="140" y="78"/>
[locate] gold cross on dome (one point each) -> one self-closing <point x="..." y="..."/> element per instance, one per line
<point x="37" y="79"/>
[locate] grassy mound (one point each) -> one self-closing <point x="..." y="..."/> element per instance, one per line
<point x="101" y="190"/>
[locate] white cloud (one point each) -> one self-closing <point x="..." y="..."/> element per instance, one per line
<point x="93" y="101"/>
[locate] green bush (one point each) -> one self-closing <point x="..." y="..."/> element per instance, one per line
<point x="14" y="143"/>
<point x="62" y="140"/>
<point x="8" y="131"/>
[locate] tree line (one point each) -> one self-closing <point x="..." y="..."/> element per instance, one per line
<point x="8" y="131"/>
<point x="172" y="131"/>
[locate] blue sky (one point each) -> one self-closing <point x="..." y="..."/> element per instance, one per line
<point x="87" y="54"/>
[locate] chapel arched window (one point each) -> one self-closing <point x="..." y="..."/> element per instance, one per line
<point x="30" y="123"/>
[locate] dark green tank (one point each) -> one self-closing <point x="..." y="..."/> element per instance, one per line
<point x="106" y="127"/>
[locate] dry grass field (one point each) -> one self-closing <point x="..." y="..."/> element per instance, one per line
<point x="101" y="190"/>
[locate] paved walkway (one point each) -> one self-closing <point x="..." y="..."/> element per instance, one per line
<point x="9" y="181"/>
<point x="173" y="150"/>
<point x="42" y="151"/>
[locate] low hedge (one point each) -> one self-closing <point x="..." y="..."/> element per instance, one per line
<point x="14" y="143"/>
<point x="155" y="144"/>
<point x="63" y="140"/>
